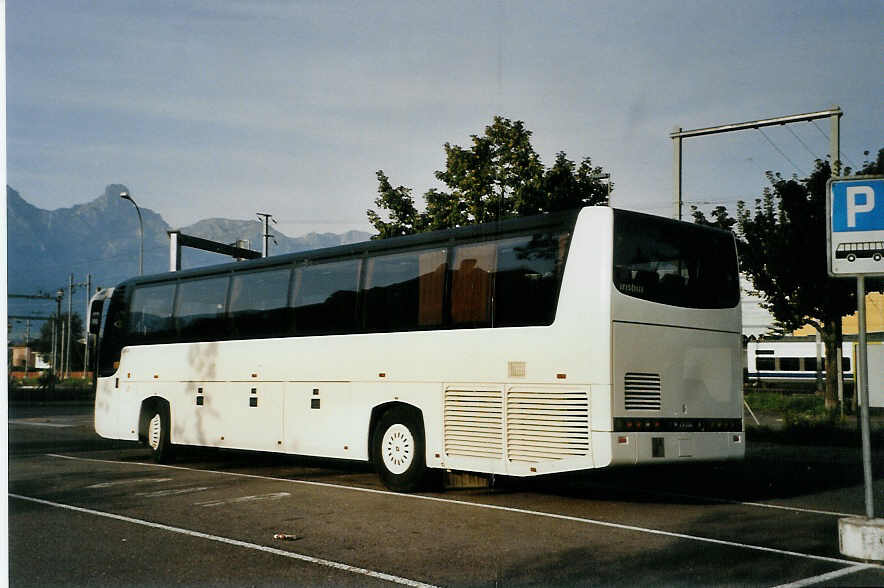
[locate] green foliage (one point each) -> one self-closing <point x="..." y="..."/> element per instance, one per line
<point x="782" y="246"/>
<point x="720" y="218"/>
<point x="775" y="402"/>
<point x="43" y="343"/>
<point x="785" y="252"/>
<point x="784" y="256"/>
<point x="498" y="176"/>
<point x="399" y="204"/>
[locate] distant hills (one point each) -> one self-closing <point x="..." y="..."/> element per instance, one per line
<point x="101" y="237"/>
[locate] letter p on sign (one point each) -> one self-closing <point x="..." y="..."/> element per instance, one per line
<point x="853" y="207"/>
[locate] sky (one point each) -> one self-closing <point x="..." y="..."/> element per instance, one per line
<point x="223" y="108"/>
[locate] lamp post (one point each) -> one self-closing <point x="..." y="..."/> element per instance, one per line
<point x="126" y="196"/>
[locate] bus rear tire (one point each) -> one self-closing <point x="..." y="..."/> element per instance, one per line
<point x="158" y="435"/>
<point x="398" y="449"/>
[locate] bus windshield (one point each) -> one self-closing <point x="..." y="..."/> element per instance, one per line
<point x="674" y="263"/>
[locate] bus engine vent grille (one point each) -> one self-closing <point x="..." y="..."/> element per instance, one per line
<point x="642" y="391"/>
<point x="546" y="425"/>
<point x="474" y="423"/>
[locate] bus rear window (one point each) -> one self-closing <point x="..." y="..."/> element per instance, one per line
<point x="674" y="263"/>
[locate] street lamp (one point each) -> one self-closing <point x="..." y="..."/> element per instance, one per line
<point x="126" y="196"/>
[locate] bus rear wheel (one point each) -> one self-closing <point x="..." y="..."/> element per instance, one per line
<point x="398" y="449"/>
<point x="158" y="435"/>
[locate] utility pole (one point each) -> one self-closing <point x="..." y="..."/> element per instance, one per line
<point x="67" y="357"/>
<point x="27" y="345"/>
<point x="265" y="250"/>
<point x="676" y="140"/>
<point x="86" y="347"/>
<point x="61" y="354"/>
<point x="56" y="334"/>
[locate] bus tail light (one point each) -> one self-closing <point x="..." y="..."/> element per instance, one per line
<point x="622" y="440"/>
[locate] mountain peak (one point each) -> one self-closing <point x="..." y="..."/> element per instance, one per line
<point x="102" y="238"/>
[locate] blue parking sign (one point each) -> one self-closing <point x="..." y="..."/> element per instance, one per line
<point x="855" y="211"/>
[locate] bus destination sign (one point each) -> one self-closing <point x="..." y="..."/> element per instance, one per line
<point x="855" y="223"/>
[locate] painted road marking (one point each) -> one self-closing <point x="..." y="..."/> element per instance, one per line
<point x="259" y="497"/>
<point x="130" y="481"/>
<point x="228" y="541"/>
<point x="172" y="492"/>
<point x="581" y="520"/>
<point x="729" y="501"/>
<point x="36" y="424"/>
<point x="826" y="577"/>
<point x="66" y="421"/>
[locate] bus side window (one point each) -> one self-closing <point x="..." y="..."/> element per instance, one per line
<point x="403" y="292"/>
<point x="471" y="285"/>
<point x="526" y="282"/>
<point x="200" y="309"/>
<point x="324" y="298"/>
<point x="150" y="317"/>
<point x="259" y="304"/>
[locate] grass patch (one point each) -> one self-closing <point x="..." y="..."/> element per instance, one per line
<point x="806" y="405"/>
<point x="806" y="421"/>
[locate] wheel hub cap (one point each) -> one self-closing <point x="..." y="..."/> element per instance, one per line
<point x="397" y="449"/>
<point x="154" y="432"/>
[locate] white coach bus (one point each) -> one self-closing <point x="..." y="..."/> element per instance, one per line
<point x="561" y="342"/>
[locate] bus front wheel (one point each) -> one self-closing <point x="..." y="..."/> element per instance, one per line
<point x="158" y="435"/>
<point x="398" y="446"/>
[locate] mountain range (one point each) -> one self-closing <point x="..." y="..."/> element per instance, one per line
<point x="101" y="238"/>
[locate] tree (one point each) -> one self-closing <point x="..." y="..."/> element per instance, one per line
<point x="399" y="204"/>
<point x="783" y="253"/>
<point x="499" y="176"/>
<point x="43" y="343"/>
<point x="720" y="218"/>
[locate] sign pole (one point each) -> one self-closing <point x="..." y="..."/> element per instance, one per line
<point x="863" y="380"/>
<point x="855" y="243"/>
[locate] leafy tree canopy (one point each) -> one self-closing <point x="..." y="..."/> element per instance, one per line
<point x="782" y="244"/>
<point x="498" y="176"/>
<point x="43" y="343"/>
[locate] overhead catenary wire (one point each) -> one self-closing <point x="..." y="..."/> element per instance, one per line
<point x="781" y="152"/>
<point x="841" y="151"/>
<point x="803" y="144"/>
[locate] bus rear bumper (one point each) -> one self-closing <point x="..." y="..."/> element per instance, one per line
<point x="644" y="448"/>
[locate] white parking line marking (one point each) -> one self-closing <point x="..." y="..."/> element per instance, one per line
<point x="729" y="501"/>
<point x="827" y="577"/>
<point x="582" y="520"/>
<point x="34" y="424"/>
<point x="280" y="552"/>
<point x="130" y="481"/>
<point x="172" y="492"/>
<point x="272" y="496"/>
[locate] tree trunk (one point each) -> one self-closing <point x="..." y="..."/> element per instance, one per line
<point x="832" y="338"/>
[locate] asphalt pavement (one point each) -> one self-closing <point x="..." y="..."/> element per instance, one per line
<point x="88" y="511"/>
